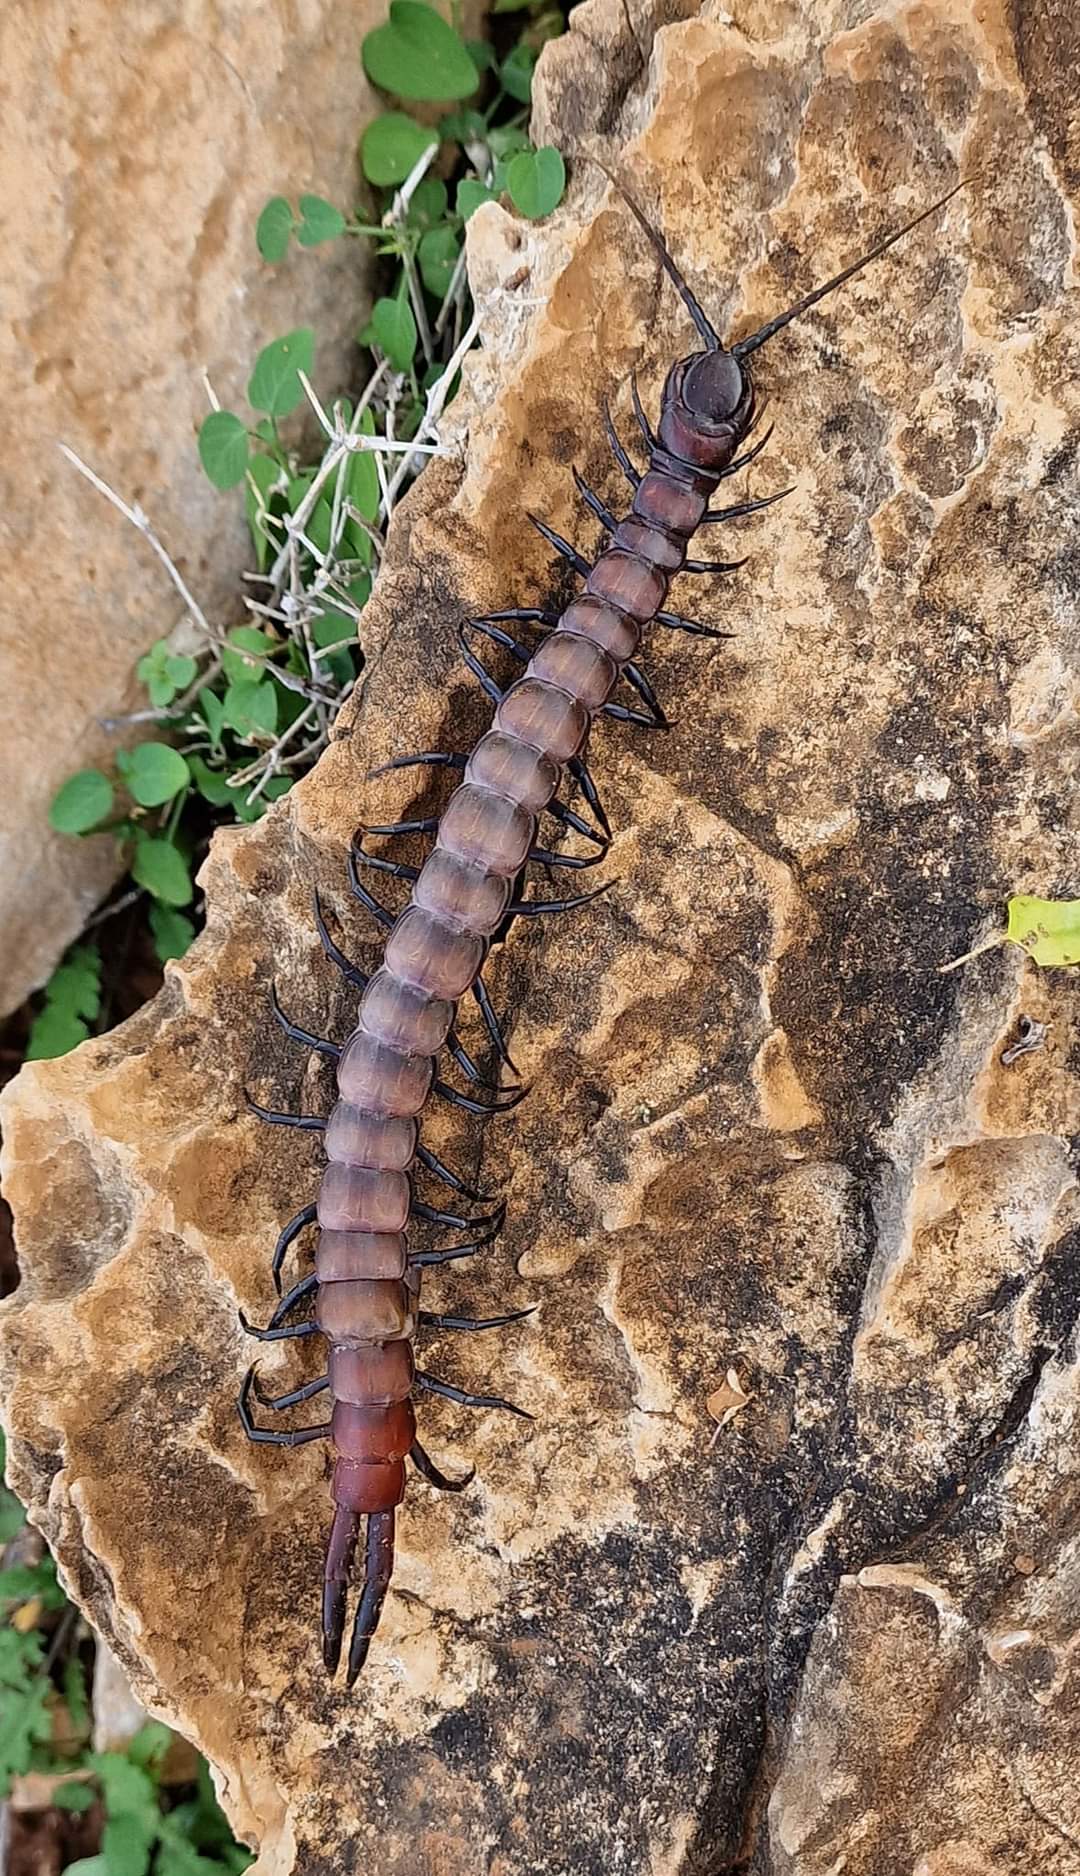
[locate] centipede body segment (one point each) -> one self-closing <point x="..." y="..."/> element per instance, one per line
<point x="366" y="1279"/>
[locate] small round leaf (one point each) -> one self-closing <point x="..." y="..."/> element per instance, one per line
<point x="391" y="147"/>
<point x="274" y="385"/>
<point x="156" y="773"/>
<point x="162" y="869"/>
<point x="172" y="932"/>
<point x="223" y="448"/>
<point x="394" y="328"/>
<point x="536" y="180"/>
<point x="273" y="228"/>
<point x="470" y="194"/>
<point x="437" y="256"/>
<point x="417" y="55"/>
<point x="83" y="801"/>
<point x="321" y="221"/>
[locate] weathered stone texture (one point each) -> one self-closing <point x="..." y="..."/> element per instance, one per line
<point x="765" y="1133"/>
<point x="139" y="142"/>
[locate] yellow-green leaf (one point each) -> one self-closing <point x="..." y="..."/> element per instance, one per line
<point x="1048" y="929"/>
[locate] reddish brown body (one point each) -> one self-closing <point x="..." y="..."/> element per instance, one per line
<point x="367" y="1284"/>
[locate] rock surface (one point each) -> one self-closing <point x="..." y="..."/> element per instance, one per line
<point x="766" y="1136"/>
<point x="139" y="143"/>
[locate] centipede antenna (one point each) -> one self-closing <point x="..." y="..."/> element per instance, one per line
<point x="751" y="344"/>
<point x="696" y="312"/>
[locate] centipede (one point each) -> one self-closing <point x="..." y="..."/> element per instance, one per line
<point x="463" y="899"/>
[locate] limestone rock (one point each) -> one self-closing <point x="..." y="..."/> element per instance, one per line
<point x="765" y="1134"/>
<point x="139" y="143"/>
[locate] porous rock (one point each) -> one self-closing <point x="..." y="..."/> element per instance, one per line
<point x="766" y="1137"/>
<point x="139" y="143"/>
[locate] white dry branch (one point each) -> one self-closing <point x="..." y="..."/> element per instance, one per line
<point x="304" y="580"/>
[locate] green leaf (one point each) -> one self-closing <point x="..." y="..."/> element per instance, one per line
<point x="172" y="932"/>
<point x="507" y="140"/>
<point x="24" y="1724"/>
<point x="437" y="256"/>
<point x="83" y="801"/>
<point x="75" y="1699"/>
<point x="223" y="448"/>
<point x="162" y="869"/>
<point x="250" y="710"/>
<point x="428" y="203"/>
<point x="321" y="221"/>
<point x="362" y="477"/>
<point x="211" y="783"/>
<point x="470" y="194"/>
<point x="76" y="983"/>
<point x="274" y="385"/>
<point x="22" y="1582"/>
<point x="536" y="180"/>
<point x="481" y="53"/>
<point x="246" y="643"/>
<point x="212" y="710"/>
<point x="462" y="126"/>
<point x="391" y="147"/>
<point x="163" y="674"/>
<point x="87" y="1866"/>
<point x="156" y="773"/>
<point x="1048" y="929"/>
<point x="333" y="629"/>
<point x="54" y="1031"/>
<point x="417" y="55"/>
<point x="263" y="475"/>
<point x="273" y="228"/>
<point x="76" y="1796"/>
<point x="516" y="72"/>
<point x="150" y="1745"/>
<point x="12" y="1515"/>
<point x="126" y="1843"/>
<point x="510" y="6"/>
<point x="394" y="327"/>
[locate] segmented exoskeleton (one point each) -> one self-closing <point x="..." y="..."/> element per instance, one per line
<point x="366" y="1280"/>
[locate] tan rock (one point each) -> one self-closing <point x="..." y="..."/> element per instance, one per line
<point x="139" y="143"/>
<point x="766" y="1136"/>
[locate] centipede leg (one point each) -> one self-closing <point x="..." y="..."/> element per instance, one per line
<point x="484" y="625"/>
<point x="643" y="422"/>
<point x="535" y="908"/>
<point x="425" y="1260"/>
<point x="592" y="501"/>
<point x="396" y="868"/>
<point x="425" y="825"/>
<point x="493" y="1026"/>
<point x="435" y="1165"/>
<point x="637" y="680"/>
<point x="744" y="508"/>
<point x="295" y="1034"/>
<point x="490" y="1222"/>
<point x="465" y="1399"/>
<point x="303" y="1287"/>
<point x="295" y="1397"/>
<point x="487" y="1110"/>
<point x="567" y="818"/>
<point x="428" y="1470"/>
<point x="290" y="1333"/>
<point x="528" y="615"/>
<point x="633" y="476"/>
<point x="460" y="1054"/>
<point x="432" y="1320"/>
<point x="677" y="623"/>
<point x="714" y="566"/>
<point x="269" y="1436"/>
<point x="306" y="1123"/>
<point x="430" y="758"/>
<point x="742" y="462"/>
<point x="484" y="678"/>
<point x="351" y="972"/>
<point x="340" y="1554"/>
<point x="366" y="898"/>
<point x="577" y="561"/>
<point x="378" y="1569"/>
<point x="576" y="767"/>
<point x="575" y="862"/>
<point x="292" y="1230"/>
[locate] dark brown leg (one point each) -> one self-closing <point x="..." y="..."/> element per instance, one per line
<point x="307" y="1123"/>
<point x="432" y="1320"/>
<point x="463" y="1399"/>
<point x="293" y="1399"/>
<point x="299" y="1290"/>
<point x="744" y="508"/>
<point x="296" y="1034"/>
<point x="643" y="422"/>
<point x="577" y="561"/>
<point x="535" y="908"/>
<point x="267" y="1436"/>
<point x="378" y="1569"/>
<point x="493" y="1026"/>
<point x="428" y="1470"/>
<point x="617" y="450"/>
<point x="677" y="623"/>
<point x="489" y="1221"/>
<point x="486" y="1109"/>
<point x="584" y="780"/>
<point x="351" y="972"/>
<point x="435" y="1165"/>
<point x="292" y="1230"/>
<point x="367" y="899"/>
<point x="592" y="501"/>
<point x="431" y="759"/>
<point x="340" y="1552"/>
